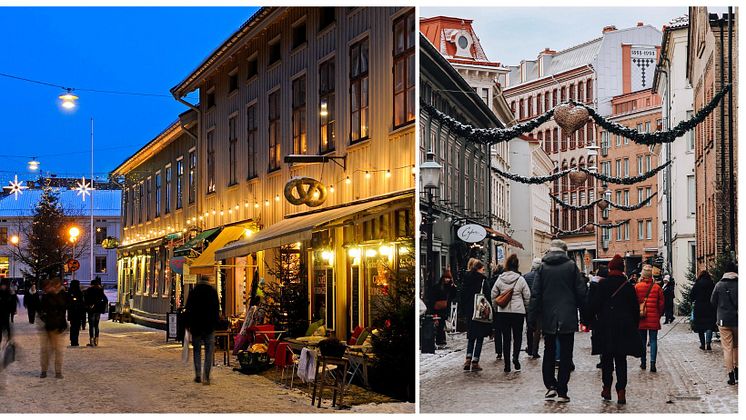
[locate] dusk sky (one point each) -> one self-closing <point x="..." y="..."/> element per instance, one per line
<point x="145" y="50"/>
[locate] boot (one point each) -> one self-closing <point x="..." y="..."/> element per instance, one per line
<point x="621" y="396"/>
<point x="708" y="347"/>
<point x="731" y="378"/>
<point x="95" y="342"/>
<point x="475" y="367"/>
<point x="606" y="393"/>
<point x="652" y="367"/>
<point x="90" y="342"/>
<point x="735" y="374"/>
<point x="643" y="366"/>
<point x="467" y="364"/>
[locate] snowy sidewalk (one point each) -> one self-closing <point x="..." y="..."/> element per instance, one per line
<point x="135" y="370"/>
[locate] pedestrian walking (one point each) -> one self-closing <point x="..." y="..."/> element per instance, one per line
<point x="96" y="303"/>
<point x="202" y="315"/>
<point x="704" y="313"/>
<point x="31" y="302"/>
<point x="725" y="300"/>
<point x="669" y="288"/>
<point x="533" y="332"/>
<point x="52" y="314"/>
<point x="615" y="316"/>
<point x="497" y="270"/>
<point x="475" y="282"/>
<point x="511" y="286"/>
<point x="600" y="275"/>
<point x="559" y="291"/>
<point x="443" y="294"/>
<point x="75" y="311"/>
<point x="650" y="300"/>
<point x="8" y="305"/>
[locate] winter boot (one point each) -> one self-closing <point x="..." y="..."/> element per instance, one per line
<point x="475" y="367"/>
<point x="735" y="374"/>
<point x="731" y="378"/>
<point x="643" y="366"/>
<point x="467" y="364"/>
<point x="90" y="342"/>
<point x="621" y="396"/>
<point x="95" y="342"/>
<point x="708" y="347"/>
<point x="606" y="393"/>
<point x="652" y="367"/>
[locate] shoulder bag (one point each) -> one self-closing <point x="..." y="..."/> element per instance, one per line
<point x="482" y="307"/>
<point x="643" y="306"/>
<point x="503" y="299"/>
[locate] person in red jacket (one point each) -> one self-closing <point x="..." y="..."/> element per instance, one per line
<point x="650" y="297"/>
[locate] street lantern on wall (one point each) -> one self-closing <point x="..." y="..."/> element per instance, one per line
<point x="430" y="172"/>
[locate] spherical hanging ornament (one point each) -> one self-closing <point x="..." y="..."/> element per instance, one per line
<point x="570" y="118"/>
<point x="578" y="177"/>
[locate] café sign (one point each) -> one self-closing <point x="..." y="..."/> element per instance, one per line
<point x="471" y="233"/>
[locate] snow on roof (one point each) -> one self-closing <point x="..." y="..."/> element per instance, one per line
<point x="577" y="56"/>
<point x="106" y="203"/>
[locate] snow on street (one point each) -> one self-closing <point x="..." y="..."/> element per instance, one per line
<point x="135" y="370"/>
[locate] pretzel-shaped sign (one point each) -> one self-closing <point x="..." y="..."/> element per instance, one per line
<point x="309" y="191"/>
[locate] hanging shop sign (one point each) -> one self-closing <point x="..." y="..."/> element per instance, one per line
<point x="305" y="190"/>
<point x="188" y="278"/>
<point x="471" y="233"/>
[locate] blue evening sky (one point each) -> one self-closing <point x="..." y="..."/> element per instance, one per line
<point x="125" y="49"/>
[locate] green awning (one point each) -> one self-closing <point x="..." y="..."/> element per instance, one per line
<point x="197" y="241"/>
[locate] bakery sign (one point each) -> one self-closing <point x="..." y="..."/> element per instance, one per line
<point x="471" y="233"/>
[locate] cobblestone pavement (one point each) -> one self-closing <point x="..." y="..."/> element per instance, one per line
<point x="689" y="380"/>
<point x="135" y="371"/>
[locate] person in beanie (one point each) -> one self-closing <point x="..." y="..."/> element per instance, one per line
<point x="96" y="303"/>
<point x="75" y="311"/>
<point x="443" y="294"/>
<point x="558" y="292"/>
<point x="616" y="316"/>
<point x="474" y="282"/>
<point x="512" y="315"/>
<point x="669" y="288"/>
<point x="650" y="300"/>
<point x="704" y="314"/>
<point x="725" y="300"/>
<point x="202" y="315"/>
<point x="533" y="332"/>
<point x="52" y="314"/>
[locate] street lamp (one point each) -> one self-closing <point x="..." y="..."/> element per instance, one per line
<point x="68" y="99"/>
<point x="74" y="232"/>
<point x="14" y="240"/>
<point x="430" y="172"/>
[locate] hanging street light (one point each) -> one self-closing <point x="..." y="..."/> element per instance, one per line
<point x="33" y="165"/>
<point x="68" y="99"/>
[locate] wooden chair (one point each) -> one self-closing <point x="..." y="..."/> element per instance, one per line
<point x="223" y="337"/>
<point x="331" y="374"/>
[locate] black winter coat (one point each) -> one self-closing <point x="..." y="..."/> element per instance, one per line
<point x="704" y="312"/>
<point x="558" y="292"/>
<point x="76" y="308"/>
<point x="8" y="305"/>
<point x="96" y="301"/>
<point x="615" y="319"/>
<point x="474" y="282"/>
<point x="52" y="311"/>
<point x="31" y="301"/>
<point x="202" y="310"/>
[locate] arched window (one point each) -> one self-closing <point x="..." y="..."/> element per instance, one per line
<point x="572" y="140"/>
<point x="589" y="91"/>
<point x="572" y="91"/>
<point x="563" y="141"/>
<point x="548" y="139"/>
<point x="590" y="179"/>
<point x="564" y="197"/>
<point x="520" y="109"/>
<point x="563" y="94"/>
<point x="581" y="137"/>
<point x="581" y="92"/>
<point x="555" y="140"/>
<point x="589" y="133"/>
<point x="530" y="101"/>
<point x="564" y="184"/>
<point x="546" y="101"/>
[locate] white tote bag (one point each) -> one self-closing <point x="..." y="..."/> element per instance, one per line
<point x="482" y="307"/>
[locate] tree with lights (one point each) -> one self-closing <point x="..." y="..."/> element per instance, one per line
<point x="286" y="300"/>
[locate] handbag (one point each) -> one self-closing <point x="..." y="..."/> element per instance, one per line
<point x="503" y="299"/>
<point x="185" y="349"/>
<point x="643" y="307"/>
<point x="482" y="307"/>
<point x="440" y="305"/>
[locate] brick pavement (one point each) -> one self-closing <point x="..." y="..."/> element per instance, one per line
<point x="688" y="380"/>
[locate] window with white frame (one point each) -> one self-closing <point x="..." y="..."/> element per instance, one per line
<point x="179" y="177"/>
<point x="640" y="230"/>
<point x="327" y="113"/>
<point x="359" y="100"/>
<point x="232" y="152"/>
<point x="691" y="195"/>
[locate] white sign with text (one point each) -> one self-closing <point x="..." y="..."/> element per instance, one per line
<point x="471" y="233"/>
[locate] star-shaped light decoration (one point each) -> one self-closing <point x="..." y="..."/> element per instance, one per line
<point x="15" y="187"/>
<point x="84" y="188"/>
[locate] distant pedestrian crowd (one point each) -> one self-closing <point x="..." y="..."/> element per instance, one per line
<point x="555" y="299"/>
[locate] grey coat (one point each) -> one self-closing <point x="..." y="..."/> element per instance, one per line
<point x="558" y="292"/>
<point x="521" y="292"/>
<point x="725" y="300"/>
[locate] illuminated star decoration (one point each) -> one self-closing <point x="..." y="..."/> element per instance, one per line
<point x="84" y="188"/>
<point x="15" y="187"/>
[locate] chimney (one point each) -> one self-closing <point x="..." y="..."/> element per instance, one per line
<point x="608" y="28"/>
<point x="544" y="60"/>
<point x="640" y="23"/>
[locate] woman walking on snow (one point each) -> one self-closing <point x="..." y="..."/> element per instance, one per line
<point x="513" y="314"/>
<point x="650" y="299"/>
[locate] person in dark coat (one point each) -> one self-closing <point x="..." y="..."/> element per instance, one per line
<point x="475" y="282"/>
<point x="202" y="315"/>
<point x="558" y="292"/>
<point x="31" y="302"/>
<point x="52" y="313"/>
<point x="533" y="332"/>
<point x="8" y="305"/>
<point x="96" y="304"/>
<point x="725" y="300"/>
<point x="616" y="315"/>
<point x="75" y="311"/>
<point x="442" y="295"/>
<point x="669" y="293"/>
<point x="703" y="320"/>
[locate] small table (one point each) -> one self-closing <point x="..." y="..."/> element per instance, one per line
<point x="227" y="349"/>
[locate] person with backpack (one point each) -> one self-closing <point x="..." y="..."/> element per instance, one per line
<point x="615" y="315"/>
<point x="96" y="304"/>
<point x="725" y="300"/>
<point x="651" y="303"/>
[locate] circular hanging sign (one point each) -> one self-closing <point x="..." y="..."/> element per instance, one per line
<point x="471" y="233"/>
<point x="73" y="265"/>
<point x="305" y="190"/>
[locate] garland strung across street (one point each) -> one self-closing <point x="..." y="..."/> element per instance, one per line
<point x="626" y="181"/>
<point x="486" y="135"/>
<point x="606" y="202"/>
<point x="582" y="228"/>
<point x="532" y="179"/>
<point x="657" y="137"/>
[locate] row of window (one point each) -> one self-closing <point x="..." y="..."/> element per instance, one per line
<point x="644" y="231"/>
<point x="138" y="200"/>
<point x="563" y="184"/>
<point x="543" y="102"/>
<point x="552" y="143"/>
<point x="101" y="234"/>
<point x="644" y="164"/>
<point x="359" y="109"/>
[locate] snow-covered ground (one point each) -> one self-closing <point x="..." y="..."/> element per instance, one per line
<point x="135" y="371"/>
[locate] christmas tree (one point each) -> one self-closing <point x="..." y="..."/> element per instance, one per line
<point x="286" y="300"/>
<point x="685" y="304"/>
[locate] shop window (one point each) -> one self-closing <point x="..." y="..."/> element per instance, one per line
<point x="324" y="293"/>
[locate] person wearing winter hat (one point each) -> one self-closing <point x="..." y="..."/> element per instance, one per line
<point x="725" y="300"/>
<point x="615" y="311"/>
<point x="651" y="304"/>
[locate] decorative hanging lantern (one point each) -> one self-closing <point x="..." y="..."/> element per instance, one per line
<point x="578" y="177"/>
<point x="570" y="118"/>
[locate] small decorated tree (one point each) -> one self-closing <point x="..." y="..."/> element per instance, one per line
<point x="286" y="300"/>
<point x="685" y="303"/>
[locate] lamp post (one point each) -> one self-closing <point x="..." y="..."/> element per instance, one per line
<point x="73" y="232"/>
<point x="430" y="172"/>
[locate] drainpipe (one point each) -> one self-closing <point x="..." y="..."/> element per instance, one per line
<point x="722" y="135"/>
<point x="732" y="187"/>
